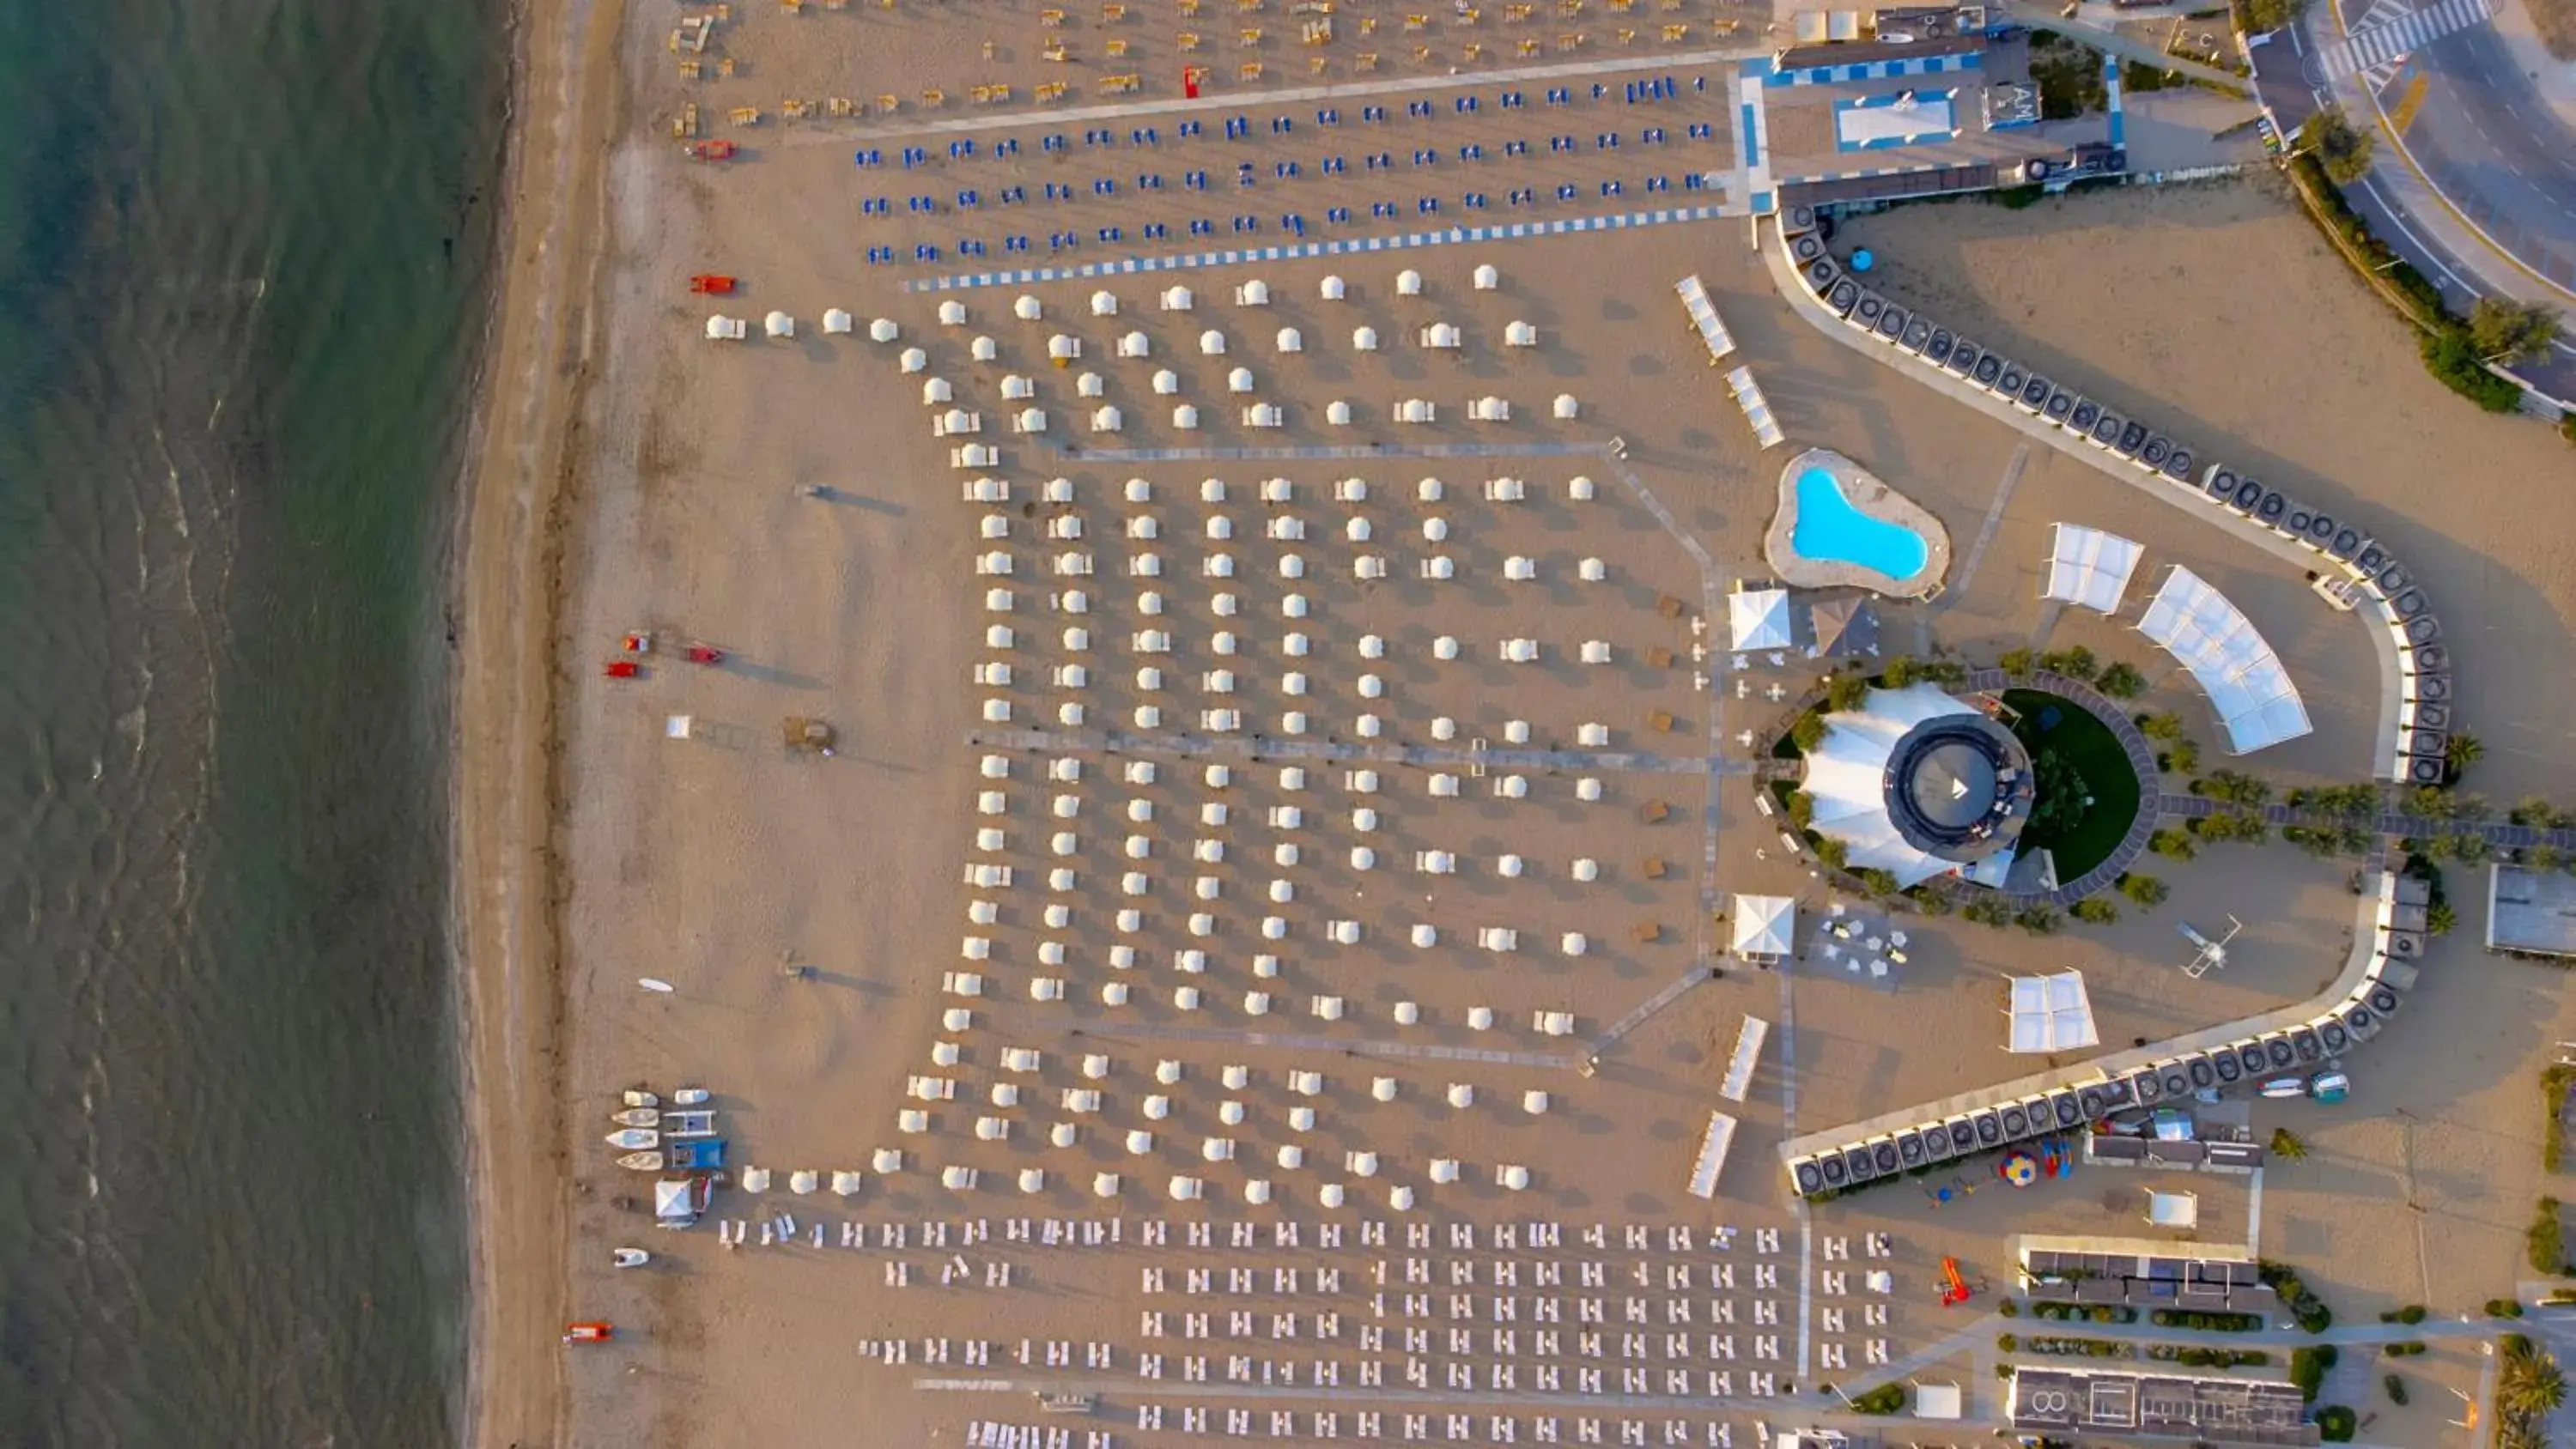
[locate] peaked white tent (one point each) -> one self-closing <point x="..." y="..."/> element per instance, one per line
<point x="2089" y="567"/>
<point x="2051" y="1014"/>
<point x="1758" y="618"/>
<point x="1847" y="780"/>
<point x="2244" y="679"/>
<point x="1764" y="926"/>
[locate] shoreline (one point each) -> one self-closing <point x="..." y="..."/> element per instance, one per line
<point x="563" y="99"/>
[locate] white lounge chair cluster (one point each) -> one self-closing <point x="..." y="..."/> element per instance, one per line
<point x="1756" y="408"/>
<point x="1558" y="1310"/>
<point x="1703" y="316"/>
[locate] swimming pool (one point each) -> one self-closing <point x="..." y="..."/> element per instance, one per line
<point x="1830" y="529"/>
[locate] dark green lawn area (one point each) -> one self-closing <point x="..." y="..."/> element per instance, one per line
<point x="2062" y="737"/>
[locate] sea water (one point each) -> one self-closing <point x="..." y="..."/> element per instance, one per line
<point x="243" y="254"/>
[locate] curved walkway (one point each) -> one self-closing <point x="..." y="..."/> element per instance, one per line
<point x="2358" y="995"/>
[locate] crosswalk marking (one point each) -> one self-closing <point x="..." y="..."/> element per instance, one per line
<point x="2373" y="46"/>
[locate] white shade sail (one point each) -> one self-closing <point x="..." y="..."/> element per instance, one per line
<point x="2252" y="693"/>
<point x="2089" y="567"/>
<point x="2051" y="1013"/>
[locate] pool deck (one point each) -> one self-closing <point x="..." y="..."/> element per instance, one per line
<point x="1871" y="498"/>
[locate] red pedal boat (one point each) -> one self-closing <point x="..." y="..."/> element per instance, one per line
<point x="589" y="1333"/>
<point x="711" y="284"/>
<point x="711" y="150"/>
<point x="622" y="669"/>
<point x="705" y="654"/>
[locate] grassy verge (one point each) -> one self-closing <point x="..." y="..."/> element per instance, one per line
<point x="2553" y="1107"/>
<point x="2084" y="750"/>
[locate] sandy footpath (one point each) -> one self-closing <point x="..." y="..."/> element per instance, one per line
<point x="564" y="103"/>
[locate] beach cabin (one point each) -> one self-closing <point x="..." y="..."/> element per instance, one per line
<point x="1212" y="343"/>
<point x="1027" y="308"/>
<point x="1255" y="293"/>
<point x="1338" y="414"/>
<point x="1105" y="304"/>
<point x="1487" y="278"/>
<point x="883" y="329"/>
<point x="1331" y="289"/>
<point x="1364" y="339"/>
<point x="1177" y="299"/>
<point x="1408" y="283"/>
<point x="726" y="329"/>
<point x="836" y="322"/>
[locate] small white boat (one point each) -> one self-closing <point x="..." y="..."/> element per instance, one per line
<point x="635" y="1137"/>
<point x="642" y="1162"/>
<point x="632" y="1257"/>
<point x="638" y="1097"/>
<point x="2283" y="1087"/>
<point x="637" y="1117"/>
<point x="690" y="1097"/>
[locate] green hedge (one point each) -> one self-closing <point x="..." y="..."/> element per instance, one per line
<point x="2207" y="1322"/>
<point x="2309" y="1365"/>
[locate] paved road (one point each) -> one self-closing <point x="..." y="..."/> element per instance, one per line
<point x="2487" y="139"/>
<point x="2400" y="202"/>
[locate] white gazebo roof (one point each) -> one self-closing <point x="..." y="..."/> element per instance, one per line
<point x="2051" y="1013"/>
<point x="1764" y="925"/>
<point x="1758" y="618"/>
<point x="2089" y="567"/>
<point x="2246" y="684"/>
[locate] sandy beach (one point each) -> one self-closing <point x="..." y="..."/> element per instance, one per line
<point x="536" y="379"/>
<point x="786" y="500"/>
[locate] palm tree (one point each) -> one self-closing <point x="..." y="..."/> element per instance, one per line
<point x="2461" y="751"/>
<point x="2531" y="1385"/>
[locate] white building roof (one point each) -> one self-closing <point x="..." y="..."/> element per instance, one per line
<point x="2246" y="684"/>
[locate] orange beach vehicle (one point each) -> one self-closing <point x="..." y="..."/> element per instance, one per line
<point x="711" y="284"/>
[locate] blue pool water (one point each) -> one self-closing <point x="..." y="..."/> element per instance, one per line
<point x="1830" y="529"/>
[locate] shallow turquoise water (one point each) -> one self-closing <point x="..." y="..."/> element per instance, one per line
<point x="243" y="247"/>
<point x="1831" y="530"/>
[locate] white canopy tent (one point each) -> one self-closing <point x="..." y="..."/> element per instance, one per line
<point x="1764" y="926"/>
<point x="1758" y="618"/>
<point x="2246" y="684"/>
<point x="2051" y="1014"/>
<point x="2089" y="567"/>
<point x="1847" y="780"/>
